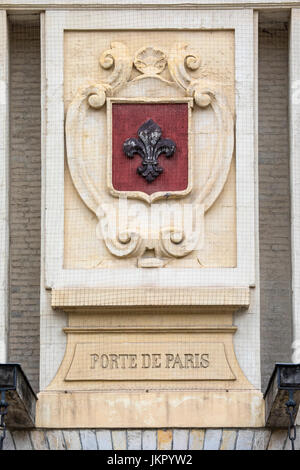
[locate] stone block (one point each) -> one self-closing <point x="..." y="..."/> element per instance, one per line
<point x="134" y="439"/>
<point x="164" y="439"/>
<point x="212" y="439"/>
<point x="149" y="440"/>
<point x="8" y="443"/>
<point x="88" y="439"/>
<point x="56" y="440"/>
<point x="261" y="439"/>
<point x="72" y="440"/>
<point x="244" y="439"/>
<point x="288" y="444"/>
<point x="196" y="439"/>
<point x="277" y="440"/>
<point x="104" y="439"/>
<point x="38" y="439"/>
<point x="180" y="439"/>
<point x="119" y="440"/>
<point x="22" y="440"/>
<point x="228" y="439"/>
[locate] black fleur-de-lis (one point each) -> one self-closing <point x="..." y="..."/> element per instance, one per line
<point x="149" y="146"/>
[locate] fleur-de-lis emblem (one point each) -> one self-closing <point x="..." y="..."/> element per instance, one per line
<point x="149" y="146"/>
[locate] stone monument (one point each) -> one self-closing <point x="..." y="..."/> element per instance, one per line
<point x="149" y="240"/>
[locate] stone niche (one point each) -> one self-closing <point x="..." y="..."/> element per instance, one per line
<point x="150" y="223"/>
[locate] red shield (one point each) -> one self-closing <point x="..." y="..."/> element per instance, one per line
<point x="173" y="121"/>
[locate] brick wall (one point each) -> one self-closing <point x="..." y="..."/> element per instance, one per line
<point x="25" y="188"/>
<point x="274" y="201"/>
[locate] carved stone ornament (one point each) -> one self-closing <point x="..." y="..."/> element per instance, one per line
<point x="169" y="238"/>
<point x="150" y="61"/>
<point x="149" y="146"/>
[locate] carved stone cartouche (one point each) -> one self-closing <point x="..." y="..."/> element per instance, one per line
<point x="151" y="62"/>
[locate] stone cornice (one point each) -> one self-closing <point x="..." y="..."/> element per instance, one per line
<point x="40" y="5"/>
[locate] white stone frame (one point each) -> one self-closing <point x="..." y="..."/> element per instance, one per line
<point x="4" y="185"/>
<point x="241" y="21"/>
<point x="178" y="4"/>
<point x="294" y="123"/>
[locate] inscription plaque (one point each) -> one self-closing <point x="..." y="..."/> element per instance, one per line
<point x="152" y="361"/>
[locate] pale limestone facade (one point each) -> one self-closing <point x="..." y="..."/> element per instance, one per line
<point x="82" y="299"/>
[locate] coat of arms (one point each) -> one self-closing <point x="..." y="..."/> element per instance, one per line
<point x="152" y="162"/>
<point x="154" y="136"/>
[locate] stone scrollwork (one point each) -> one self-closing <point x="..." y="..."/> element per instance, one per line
<point x="94" y="96"/>
<point x="118" y="57"/>
<point x="124" y="243"/>
<point x="205" y="93"/>
<point x="181" y="59"/>
<point x="150" y="61"/>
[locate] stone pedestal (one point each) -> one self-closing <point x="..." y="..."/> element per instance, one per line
<point x="156" y="365"/>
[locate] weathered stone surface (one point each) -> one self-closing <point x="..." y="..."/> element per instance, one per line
<point x="56" y="440"/>
<point x="79" y="368"/>
<point x="164" y="439"/>
<point x="88" y="439"/>
<point x="8" y="443"/>
<point x="72" y="440"/>
<point x="212" y="439"/>
<point x="22" y="440"/>
<point x="38" y="439"/>
<point x="244" y="439"/>
<point x="288" y="444"/>
<point x="119" y="440"/>
<point x="180" y="439"/>
<point x="196" y="439"/>
<point x="228" y="439"/>
<point x="134" y="439"/>
<point x="149" y="440"/>
<point x="261" y="439"/>
<point x="277" y="440"/>
<point x="104" y="439"/>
